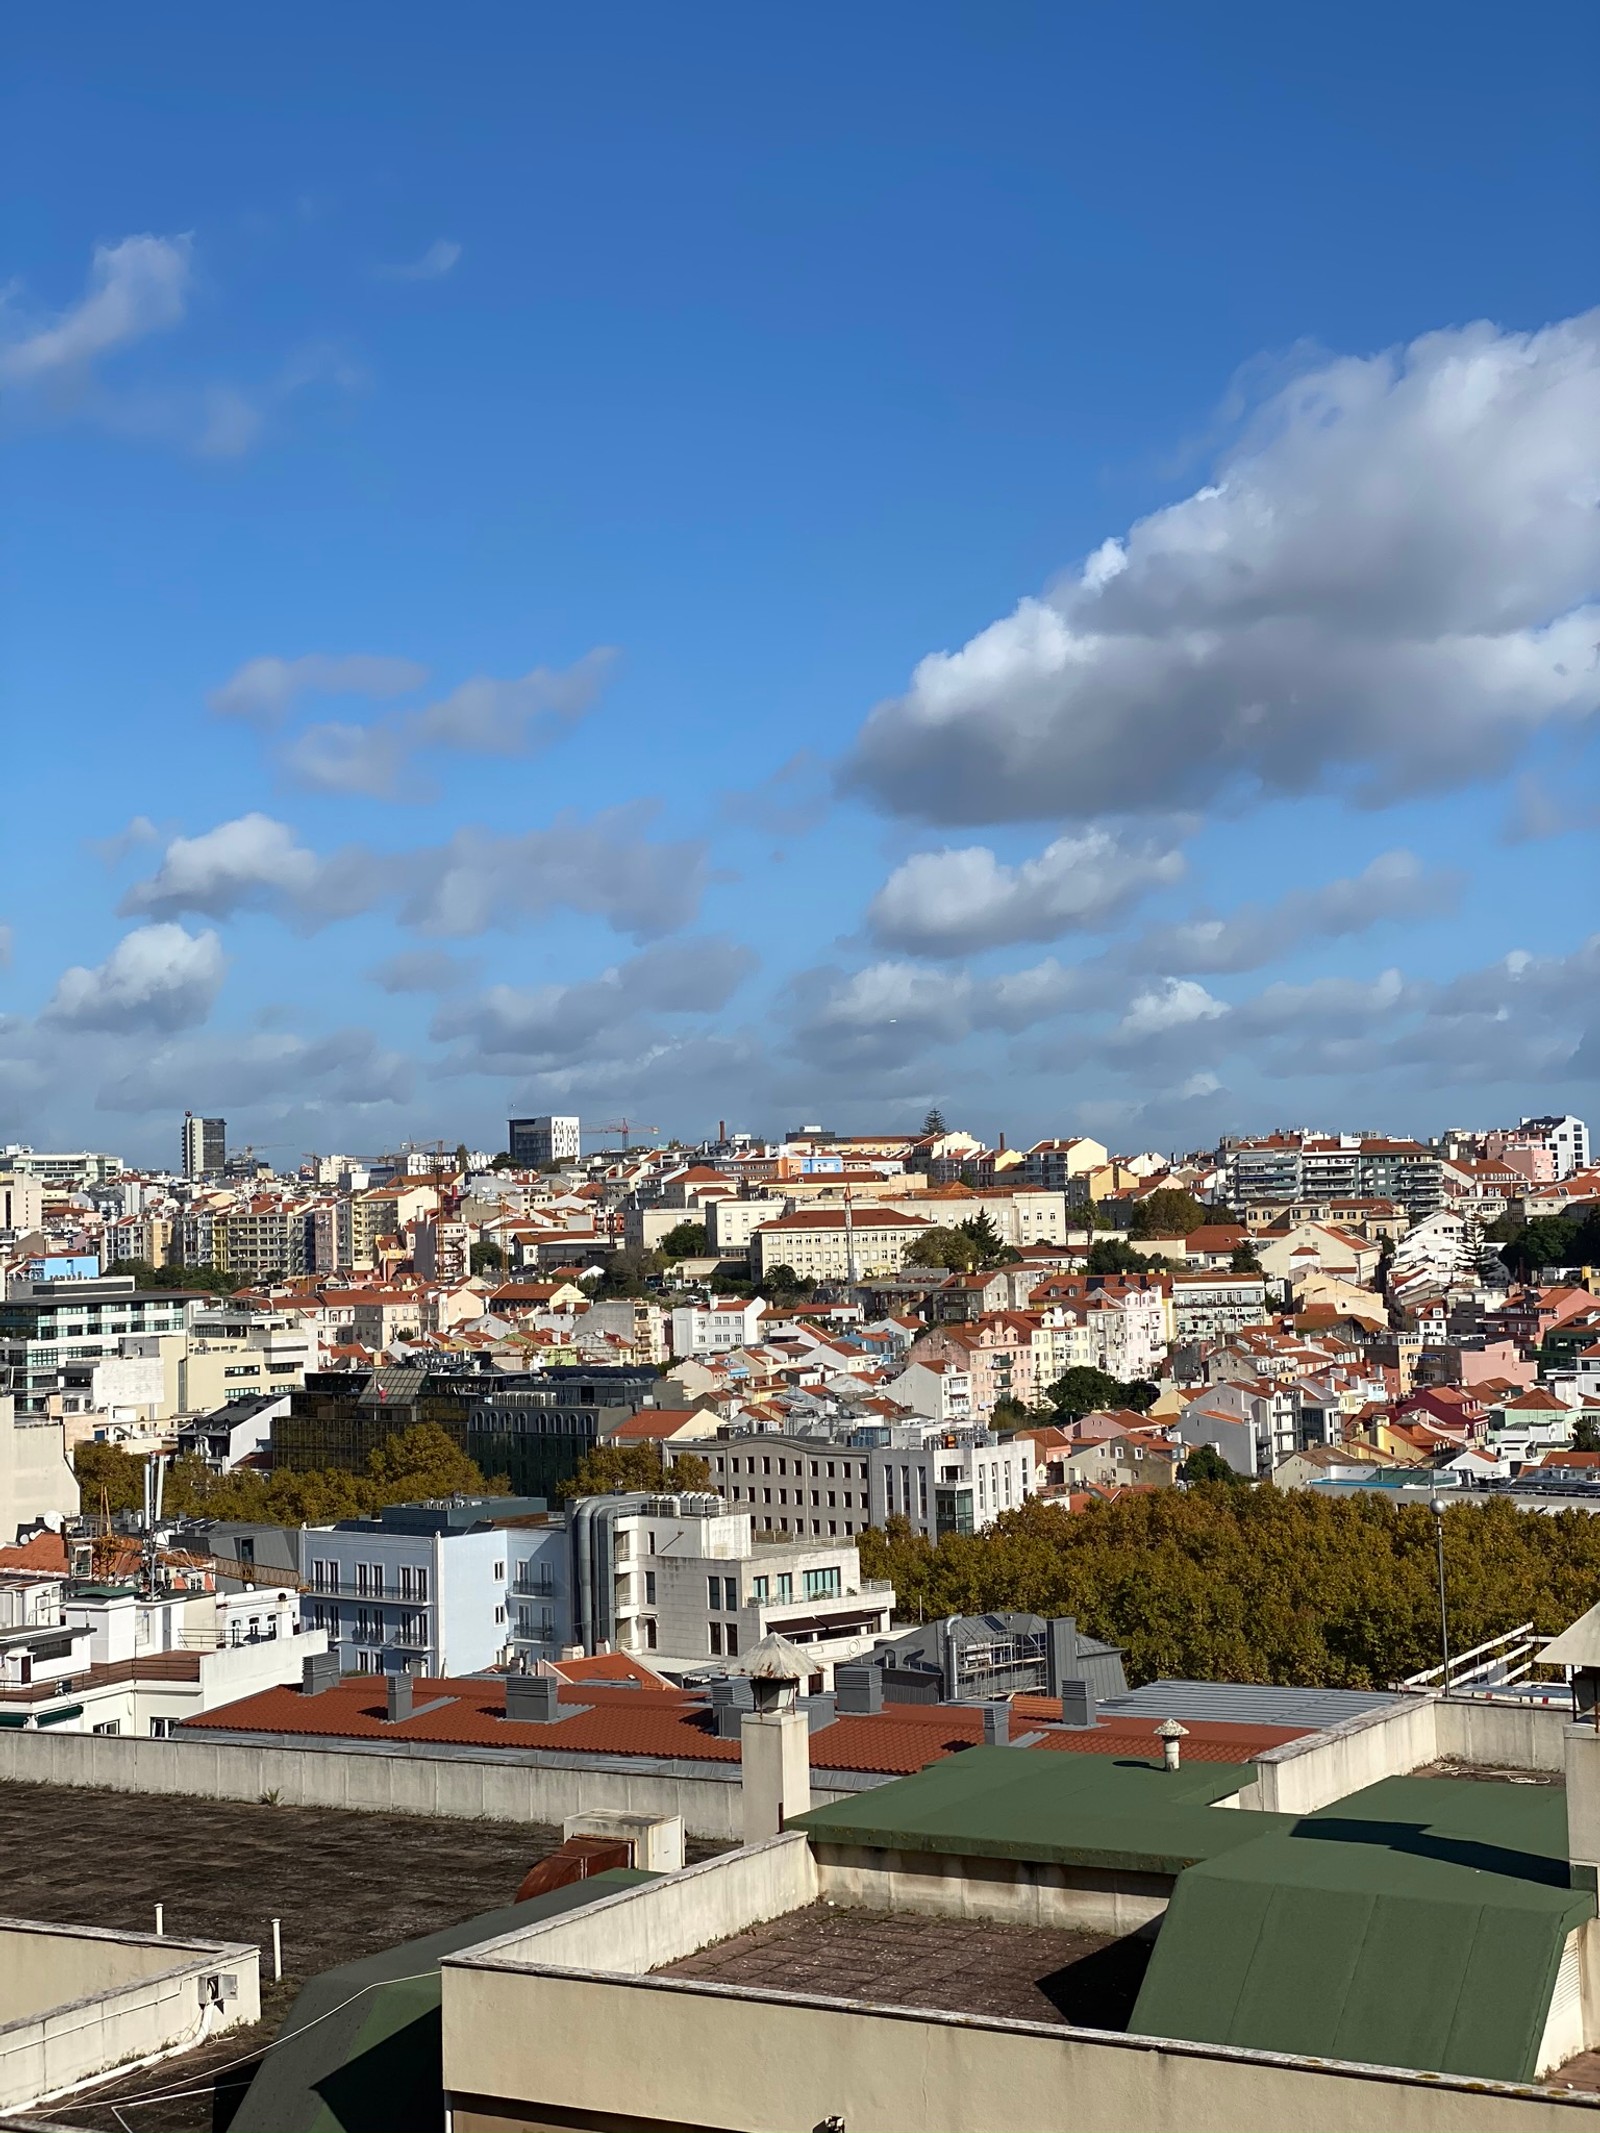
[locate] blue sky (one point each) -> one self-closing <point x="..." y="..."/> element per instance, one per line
<point x="558" y="559"/>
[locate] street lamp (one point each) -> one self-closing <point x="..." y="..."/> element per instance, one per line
<point x="1436" y="1506"/>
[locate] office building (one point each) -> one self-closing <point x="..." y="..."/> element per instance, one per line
<point x="534" y="1142"/>
<point x="205" y="1146"/>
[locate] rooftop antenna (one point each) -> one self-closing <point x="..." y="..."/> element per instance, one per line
<point x="155" y="1468"/>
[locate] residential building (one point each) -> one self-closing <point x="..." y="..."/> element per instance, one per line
<point x="713" y="1327"/>
<point x="534" y="1142"/>
<point x="683" y="1581"/>
<point x="1211" y="1306"/>
<point x="425" y="1588"/>
<point x="842" y="1244"/>
<point x="238" y="1430"/>
<point x="956" y="1482"/>
<point x="21" y="1202"/>
<point x="48" y="1326"/>
<point x="36" y="1477"/>
<point x="205" y="1146"/>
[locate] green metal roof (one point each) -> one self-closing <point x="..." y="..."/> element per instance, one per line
<point x="1419" y="1923"/>
<point x="369" y="2060"/>
<point x="1103" y="1811"/>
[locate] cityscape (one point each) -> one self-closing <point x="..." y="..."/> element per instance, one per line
<point x="799" y="1012"/>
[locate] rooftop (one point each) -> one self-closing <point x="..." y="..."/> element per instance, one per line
<point x="963" y="1966"/>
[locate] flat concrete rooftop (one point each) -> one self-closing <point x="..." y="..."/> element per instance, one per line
<point x="959" y="1966"/>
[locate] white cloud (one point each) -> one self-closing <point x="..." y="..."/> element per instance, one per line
<point x="273" y="1070"/>
<point x="1388" y="582"/>
<point x="1176" y="1004"/>
<point x="556" y="1026"/>
<point x="266" y="690"/>
<point x="606" y="867"/>
<point x="250" y="863"/>
<point x="435" y="263"/>
<point x="485" y="715"/>
<point x="156" y="978"/>
<point x="958" y="901"/>
<point x="136" y="287"/>
<point x="1396" y="886"/>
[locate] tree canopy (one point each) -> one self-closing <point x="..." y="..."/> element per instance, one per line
<point x="146" y="1276"/>
<point x="411" y="1465"/>
<point x="1109" y="1255"/>
<point x="1084" y="1390"/>
<point x="1572" y="1239"/>
<point x="1255" y="1583"/>
<point x="1167" y="1213"/>
<point x="610" y="1467"/>
<point x="934" y="1123"/>
<point x="686" y="1240"/>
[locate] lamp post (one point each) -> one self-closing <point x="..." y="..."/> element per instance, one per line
<point x="1436" y="1506"/>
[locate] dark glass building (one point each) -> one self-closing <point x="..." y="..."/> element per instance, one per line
<point x="534" y="1429"/>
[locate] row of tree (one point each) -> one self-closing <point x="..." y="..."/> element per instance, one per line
<point x="412" y="1465"/>
<point x="1227" y="1583"/>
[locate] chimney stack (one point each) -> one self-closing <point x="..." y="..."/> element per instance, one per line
<point x="858" y="1689"/>
<point x="997" y="1725"/>
<point x="1171" y="1734"/>
<point x="399" y="1698"/>
<point x="1077" y="1704"/>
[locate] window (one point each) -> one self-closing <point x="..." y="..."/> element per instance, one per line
<point x="649" y="1633"/>
<point x="649" y="1588"/>
<point x="822" y="1584"/>
<point x="730" y="1637"/>
<point x="499" y="1615"/>
<point x="730" y="1595"/>
<point x="499" y="1573"/>
<point x="112" y="1725"/>
<point x="758" y="1589"/>
<point x="421" y="1581"/>
<point x="715" y="1634"/>
<point x="715" y="1587"/>
<point x="651" y="1548"/>
<point x="785" y="1586"/>
<point x="161" y="1728"/>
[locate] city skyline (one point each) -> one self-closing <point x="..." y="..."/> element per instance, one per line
<point x="1048" y="570"/>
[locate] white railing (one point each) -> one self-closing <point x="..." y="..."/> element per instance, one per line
<point x="1492" y="1668"/>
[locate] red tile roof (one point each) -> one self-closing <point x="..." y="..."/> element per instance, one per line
<point x="607" y="1720"/>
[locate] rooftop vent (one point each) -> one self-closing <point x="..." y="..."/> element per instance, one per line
<point x="399" y="1698"/>
<point x="533" y="1699"/>
<point x="319" y="1672"/>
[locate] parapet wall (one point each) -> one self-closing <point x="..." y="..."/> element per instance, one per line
<point x="335" y="1775"/>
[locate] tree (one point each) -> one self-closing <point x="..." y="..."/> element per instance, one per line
<point x="1010" y="1415"/>
<point x="1109" y="1255"/>
<point x="612" y="1468"/>
<point x="106" y="1472"/>
<point x="944" y="1247"/>
<point x="629" y="1272"/>
<point x="1240" y="1583"/>
<point x="1167" y="1213"/>
<point x="933" y="1125"/>
<point x="687" y="1240"/>
<point x="1204" y="1464"/>
<point x="1586" y="1434"/>
<point x="986" y="1240"/>
<point x="1244" y="1260"/>
<point x="423" y="1461"/>
<point x="486" y="1258"/>
<point x="1083" y="1390"/>
<point x="145" y="1276"/>
<point x="462" y="1158"/>
<point x="782" y="1282"/>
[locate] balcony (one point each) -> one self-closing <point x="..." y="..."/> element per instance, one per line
<point x="534" y="1585"/>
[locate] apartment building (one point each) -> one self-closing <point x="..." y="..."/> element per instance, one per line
<point x="715" y="1327"/>
<point x="684" y="1581"/>
<point x="1208" y="1307"/>
<point x="957" y="1481"/>
<point x="837" y="1244"/>
<point x="800" y="1486"/>
<point x="422" y="1588"/>
<point x="47" y="1325"/>
<point x="533" y="1142"/>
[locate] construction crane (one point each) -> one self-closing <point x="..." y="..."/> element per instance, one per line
<point x="621" y="1126"/>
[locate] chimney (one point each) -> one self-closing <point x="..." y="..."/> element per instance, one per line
<point x="533" y="1699"/>
<point x="1171" y="1734"/>
<point x="996" y="1725"/>
<point x="1583" y="1804"/>
<point x="1061" y="1663"/>
<point x="774" y="1740"/>
<point x="399" y="1698"/>
<point x="319" y="1672"/>
<point x="1077" y="1704"/>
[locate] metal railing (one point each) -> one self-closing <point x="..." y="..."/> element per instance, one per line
<point x="1500" y="1668"/>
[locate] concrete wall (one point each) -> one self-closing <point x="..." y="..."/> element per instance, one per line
<point x="78" y="2002"/>
<point x="640" y="1929"/>
<point x="1304" y="1775"/>
<point x="520" y="2047"/>
<point x="1011" y="1891"/>
<point x="441" y="1786"/>
<point x="1504" y="1736"/>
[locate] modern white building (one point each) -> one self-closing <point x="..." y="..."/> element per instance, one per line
<point x="684" y="1582"/>
<point x="533" y="1142"/>
<point x="713" y="1328"/>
